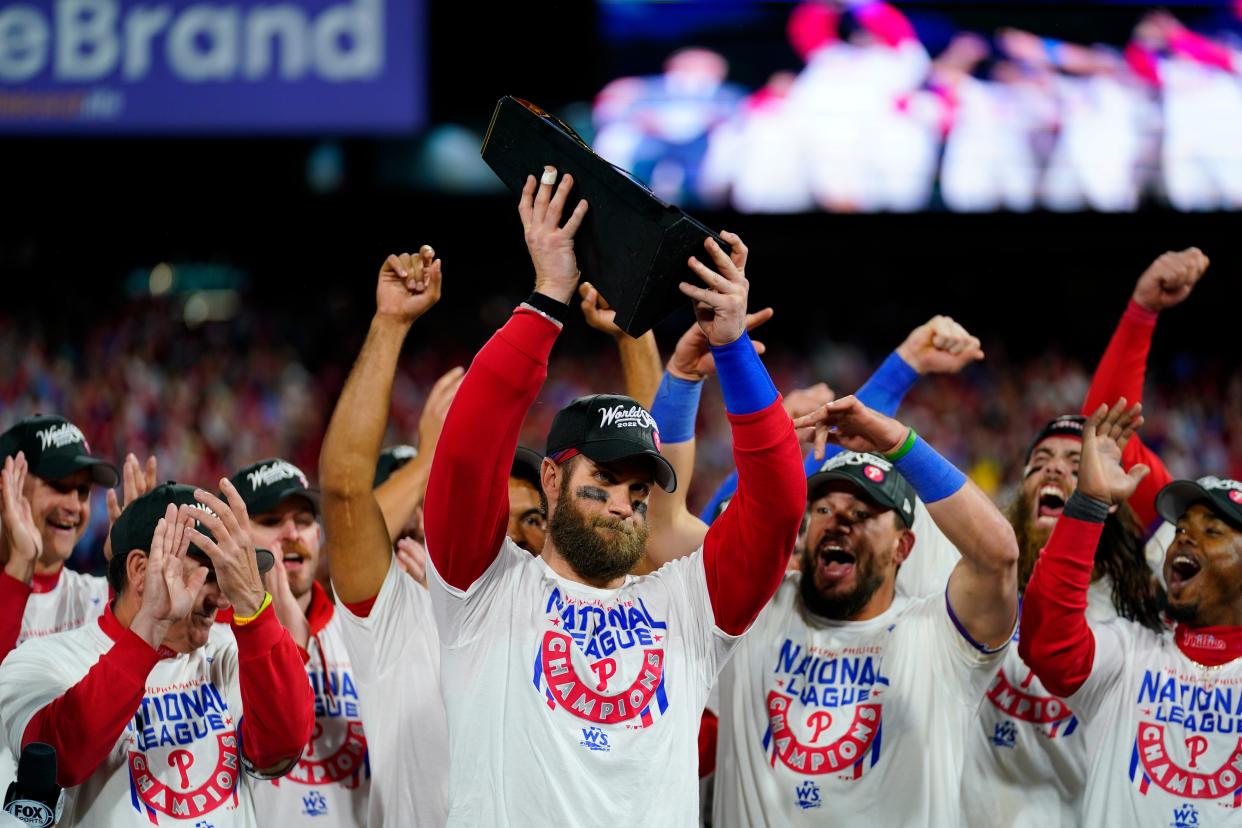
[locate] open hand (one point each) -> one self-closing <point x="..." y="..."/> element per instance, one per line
<point x="721" y="306"/>
<point x="136" y="480"/>
<point x="551" y="246"/>
<point x="1100" y="473"/>
<point x="18" y="533"/>
<point x="232" y="552"/>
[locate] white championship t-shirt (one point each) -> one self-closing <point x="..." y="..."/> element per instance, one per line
<point x="573" y="705"/>
<point x="1026" y="763"/>
<point x="396" y="663"/>
<point x="847" y="723"/>
<point x="331" y="783"/>
<point x="1163" y="733"/>
<point x="175" y="763"/>
<point x="74" y="600"/>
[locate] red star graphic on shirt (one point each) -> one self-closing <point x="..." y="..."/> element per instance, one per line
<point x="657" y="638"/>
<point x="556" y="622"/>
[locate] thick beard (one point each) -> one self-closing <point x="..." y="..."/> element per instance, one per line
<point x="591" y="555"/>
<point x="1031" y="538"/>
<point x="841" y="607"/>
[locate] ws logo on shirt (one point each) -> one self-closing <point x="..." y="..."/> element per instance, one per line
<point x="807" y="795"/>
<point x="603" y="663"/>
<point x="594" y="739"/>
<point x="1050" y="715"/>
<point x="1186" y="816"/>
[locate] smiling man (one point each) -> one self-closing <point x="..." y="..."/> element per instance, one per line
<point x="850" y="701"/>
<point x="331" y="783"/>
<point x="1159" y="707"/>
<point x="1028" y="759"/>
<point x="46" y="480"/>
<point x="158" y="714"/>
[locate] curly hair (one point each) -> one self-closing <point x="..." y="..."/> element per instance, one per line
<point x="1119" y="555"/>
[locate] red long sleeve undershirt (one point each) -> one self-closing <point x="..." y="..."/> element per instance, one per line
<point x="467" y="505"/>
<point x="1056" y="642"/>
<point x="747" y="548"/>
<point x="1121" y="373"/>
<point x="84" y="723"/>
<point x="13" y="597"/>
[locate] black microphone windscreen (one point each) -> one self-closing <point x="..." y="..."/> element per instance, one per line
<point x="36" y="768"/>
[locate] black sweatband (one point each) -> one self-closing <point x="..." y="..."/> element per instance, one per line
<point x="548" y="306"/>
<point x="1084" y="508"/>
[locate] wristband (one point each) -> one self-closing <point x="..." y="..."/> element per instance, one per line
<point x="932" y="477"/>
<point x="744" y="381"/>
<point x="554" y="309"/>
<point x="267" y="602"/>
<point x="904" y="448"/>
<point x="1085" y="508"/>
<point x="675" y="408"/>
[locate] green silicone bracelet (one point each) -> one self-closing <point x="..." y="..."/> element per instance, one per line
<point x="904" y="449"/>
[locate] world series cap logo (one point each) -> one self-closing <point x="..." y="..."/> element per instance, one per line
<point x="65" y="434"/>
<point x="621" y="417"/>
<point x="281" y="470"/>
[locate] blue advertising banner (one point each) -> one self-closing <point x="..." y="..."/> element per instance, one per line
<point x="211" y="66"/>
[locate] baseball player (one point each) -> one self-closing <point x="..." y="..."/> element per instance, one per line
<point x="849" y="701"/>
<point x="331" y="783"/>
<point x="46" y="483"/>
<point x="1158" y="707"/>
<point x="1027" y="761"/>
<point x="45" y="507"/>
<point x="573" y="689"/>
<point x="158" y="715"/>
<point x="386" y="623"/>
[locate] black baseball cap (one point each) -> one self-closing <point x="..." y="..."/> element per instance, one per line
<point x="526" y="466"/>
<point x="608" y="427"/>
<point x="1067" y="425"/>
<point x="879" y="481"/>
<point x="134" y="528"/>
<point x="55" y="448"/>
<point x="263" y="485"/>
<point x="1222" y="496"/>
<point x="391" y="459"/>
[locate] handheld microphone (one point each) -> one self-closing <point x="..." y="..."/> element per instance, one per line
<point x="34" y="798"/>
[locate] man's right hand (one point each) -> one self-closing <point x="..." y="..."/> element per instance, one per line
<point x="852" y="425"/>
<point x="940" y="346"/>
<point x="551" y="246"/>
<point x="409" y="285"/>
<point x="1170" y="279"/>
<point x="692" y="358"/>
<point x="171" y="582"/>
<point x="19" y="537"/>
